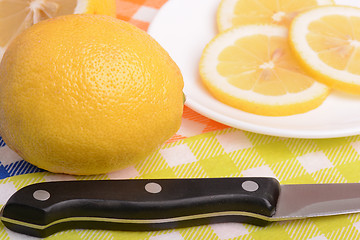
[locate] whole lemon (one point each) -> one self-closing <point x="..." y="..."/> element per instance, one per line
<point x="87" y="94"/>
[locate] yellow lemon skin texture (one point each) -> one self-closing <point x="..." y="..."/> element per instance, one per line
<point x="87" y="94"/>
<point x="17" y="15"/>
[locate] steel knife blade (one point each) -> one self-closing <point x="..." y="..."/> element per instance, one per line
<point x="154" y="204"/>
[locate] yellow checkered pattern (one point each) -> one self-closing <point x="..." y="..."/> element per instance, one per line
<point x="232" y="152"/>
<point x="220" y="151"/>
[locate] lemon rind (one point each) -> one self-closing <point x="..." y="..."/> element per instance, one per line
<point x="213" y="79"/>
<point x="225" y="13"/>
<point x="339" y="79"/>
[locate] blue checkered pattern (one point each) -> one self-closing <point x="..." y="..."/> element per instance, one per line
<point x="16" y="167"/>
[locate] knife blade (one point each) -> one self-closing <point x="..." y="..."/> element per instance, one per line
<point x="154" y="204"/>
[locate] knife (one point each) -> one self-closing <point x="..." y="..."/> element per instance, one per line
<point x="154" y="204"/>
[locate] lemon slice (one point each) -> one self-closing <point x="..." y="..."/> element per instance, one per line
<point x="17" y="15"/>
<point x="239" y="12"/>
<point x="327" y="42"/>
<point x="252" y="68"/>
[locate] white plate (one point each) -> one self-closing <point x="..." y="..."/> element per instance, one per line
<point x="184" y="27"/>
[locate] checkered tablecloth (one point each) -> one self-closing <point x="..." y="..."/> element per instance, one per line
<point x="205" y="148"/>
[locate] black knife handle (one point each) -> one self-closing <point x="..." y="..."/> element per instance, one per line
<point x="139" y="205"/>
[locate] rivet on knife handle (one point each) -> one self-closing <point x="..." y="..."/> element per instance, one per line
<point x="139" y="205"/>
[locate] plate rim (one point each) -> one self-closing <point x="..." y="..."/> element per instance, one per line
<point x="244" y="125"/>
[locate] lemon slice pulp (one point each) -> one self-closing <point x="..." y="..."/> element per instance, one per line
<point x="240" y="12"/>
<point x="326" y="41"/>
<point x="252" y="68"/>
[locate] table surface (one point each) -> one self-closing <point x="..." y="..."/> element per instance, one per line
<point x="211" y="149"/>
